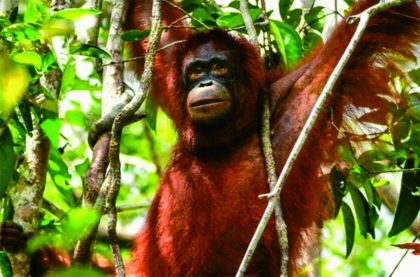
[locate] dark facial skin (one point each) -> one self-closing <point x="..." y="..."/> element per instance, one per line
<point x="207" y="74"/>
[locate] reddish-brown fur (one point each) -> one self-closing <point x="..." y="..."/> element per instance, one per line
<point x="207" y="207"/>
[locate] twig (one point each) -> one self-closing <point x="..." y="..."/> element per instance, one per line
<point x="124" y="208"/>
<point x="189" y="15"/>
<point x="402" y="257"/>
<point x="143" y="57"/>
<point x="119" y="123"/>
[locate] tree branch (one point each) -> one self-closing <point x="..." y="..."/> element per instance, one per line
<point x="120" y="121"/>
<point x="270" y="168"/>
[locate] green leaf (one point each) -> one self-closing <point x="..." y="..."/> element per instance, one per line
<point x="350" y="2"/>
<point x="30" y="58"/>
<point x="89" y="50"/>
<point x="230" y="20"/>
<point x="415" y="138"/>
<point x="400" y="131"/>
<point x="24" y="116"/>
<point x="35" y="11"/>
<point x="82" y="168"/>
<point x="408" y="204"/>
<point x="51" y="127"/>
<point x="135" y="35"/>
<point x="316" y="18"/>
<point x="79" y="222"/>
<point x="8" y="211"/>
<point x="370" y="160"/>
<point x="69" y="77"/>
<point x="60" y="175"/>
<point x="203" y="15"/>
<point x="5" y="265"/>
<point x="349" y="225"/>
<point x="415" y="75"/>
<point x="311" y="39"/>
<point x="415" y="100"/>
<point x="76" y="117"/>
<point x="76" y="271"/>
<point x="7" y="160"/>
<point x="21" y="33"/>
<point x="151" y="113"/>
<point x="233" y="19"/>
<point x="361" y="207"/>
<point x="337" y="180"/>
<point x="294" y="17"/>
<point x="288" y="42"/>
<point x="75" y="13"/>
<point x="13" y="84"/>
<point x="284" y="6"/>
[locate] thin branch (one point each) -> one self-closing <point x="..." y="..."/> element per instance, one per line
<point x="124" y="208"/>
<point x="403" y="256"/>
<point x="189" y="15"/>
<point x="143" y="57"/>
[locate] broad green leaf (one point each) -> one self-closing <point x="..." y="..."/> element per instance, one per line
<point x="350" y="2"/>
<point x="415" y="100"/>
<point x="22" y="33"/>
<point x="35" y="11"/>
<point x="400" y="131"/>
<point x="349" y="226"/>
<point x="311" y="39"/>
<point x="75" y="13"/>
<point x="294" y="17"/>
<point x="76" y="117"/>
<point x="79" y="222"/>
<point x="151" y="113"/>
<point x="5" y="265"/>
<point x="7" y="160"/>
<point x="288" y="42"/>
<point x="89" y="50"/>
<point x="408" y="204"/>
<point x="316" y="18"/>
<point x="24" y="116"/>
<point x="14" y="81"/>
<point x="69" y="77"/>
<point x="60" y="175"/>
<point x="8" y="211"/>
<point x="30" y="58"/>
<point x="51" y="127"/>
<point x="415" y="75"/>
<point x="370" y="160"/>
<point x="415" y="138"/>
<point x="203" y="15"/>
<point x="337" y="180"/>
<point x="82" y="168"/>
<point x="284" y="6"/>
<point x="58" y="27"/>
<point x="135" y="35"/>
<point x="48" y="59"/>
<point x="232" y="20"/>
<point x="76" y="271"/>
<point x="361" y="207"/>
